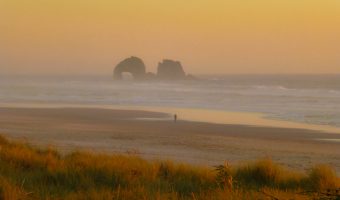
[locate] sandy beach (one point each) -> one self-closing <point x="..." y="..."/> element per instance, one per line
<point x="154" y="135"/>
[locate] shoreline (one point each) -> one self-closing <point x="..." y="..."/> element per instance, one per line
<point x="135" y="131"/>
<point x="198" y="115"/>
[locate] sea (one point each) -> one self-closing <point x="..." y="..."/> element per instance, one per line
<point x="310" y="99"/>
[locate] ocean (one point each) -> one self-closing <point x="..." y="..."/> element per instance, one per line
<point x="311" y="99"/>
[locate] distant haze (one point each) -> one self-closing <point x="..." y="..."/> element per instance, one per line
<point x="207" y="36"/>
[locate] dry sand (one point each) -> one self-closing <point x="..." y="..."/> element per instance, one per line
<point x="154" y="135"/>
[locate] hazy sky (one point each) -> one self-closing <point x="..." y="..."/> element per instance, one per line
<point x="207" y="36"/>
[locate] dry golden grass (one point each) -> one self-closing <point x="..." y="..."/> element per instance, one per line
<point x="10" y="191"/>
<point x="31" y="173"/>
<point x="323" y="177"/>
<point x="267" y="173"/>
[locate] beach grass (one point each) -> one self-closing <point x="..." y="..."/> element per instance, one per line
<point x="28" y="172"/>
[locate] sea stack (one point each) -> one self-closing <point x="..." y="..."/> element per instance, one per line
<point x="170" y="70"/>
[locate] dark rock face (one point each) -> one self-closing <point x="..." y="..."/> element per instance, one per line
<point x="133" y="65"/>
<point x="170" y="70"/>
<point x="167" y="70"/>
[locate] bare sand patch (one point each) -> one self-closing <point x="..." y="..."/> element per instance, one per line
<point x="154" y="135"/>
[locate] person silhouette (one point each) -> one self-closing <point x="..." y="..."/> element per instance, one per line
<point x="175" y="118"/>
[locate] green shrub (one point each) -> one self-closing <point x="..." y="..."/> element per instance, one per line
<point x="224" y="176"/>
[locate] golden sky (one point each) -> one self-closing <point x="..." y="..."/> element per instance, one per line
<point x="207" y="36"/>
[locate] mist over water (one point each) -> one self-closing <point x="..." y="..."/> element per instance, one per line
<point x="313" y="99"/>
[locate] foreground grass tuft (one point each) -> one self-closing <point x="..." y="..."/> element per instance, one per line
<point x="323" y="177"/>
<point x="262" y="172"/>
<point x="31" y="173"/>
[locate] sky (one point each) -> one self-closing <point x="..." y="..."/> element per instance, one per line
<point x="207" y="36"/>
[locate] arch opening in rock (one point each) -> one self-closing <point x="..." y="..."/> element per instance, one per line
<point x="127" y="76"/>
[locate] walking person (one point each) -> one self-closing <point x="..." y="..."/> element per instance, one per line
<point x="175" y="118"/>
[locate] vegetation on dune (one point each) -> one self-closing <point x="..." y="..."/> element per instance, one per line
<point x="31" y="173"/>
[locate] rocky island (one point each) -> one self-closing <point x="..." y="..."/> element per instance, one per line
<point x="167" y="70"/>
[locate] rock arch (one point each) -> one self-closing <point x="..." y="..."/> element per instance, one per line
<point x="133" y="65"/>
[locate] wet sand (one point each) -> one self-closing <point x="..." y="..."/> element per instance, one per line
<point x="154" y="135"/>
